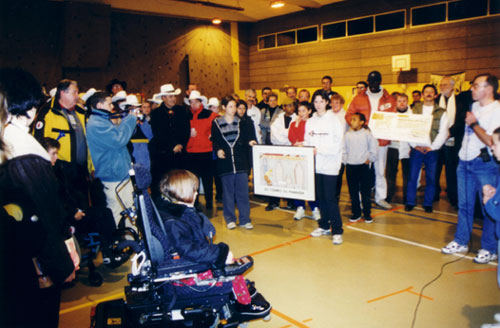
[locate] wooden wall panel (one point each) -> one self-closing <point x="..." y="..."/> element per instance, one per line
<point x="472" y="46"/>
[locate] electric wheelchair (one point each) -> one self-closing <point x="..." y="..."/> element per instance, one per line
<point x="168" y="291"/>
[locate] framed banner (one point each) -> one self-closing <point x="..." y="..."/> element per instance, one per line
<point x="401" y="127"/>
<point x="284" y="171"/>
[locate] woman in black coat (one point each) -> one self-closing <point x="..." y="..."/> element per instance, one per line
<point x="35" y="260"/>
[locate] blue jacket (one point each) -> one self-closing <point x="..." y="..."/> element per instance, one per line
<point x="492" y="207"/>
<point x="108" y="145"/>
<point x="190" y="234"/>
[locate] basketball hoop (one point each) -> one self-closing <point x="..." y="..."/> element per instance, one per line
<point x="401" y="63"/>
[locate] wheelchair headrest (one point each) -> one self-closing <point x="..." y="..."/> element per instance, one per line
<point x="142" y="176"/>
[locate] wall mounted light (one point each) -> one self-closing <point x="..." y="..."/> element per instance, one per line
<point x="216" y="21"/>
<point x="277" y="4"/>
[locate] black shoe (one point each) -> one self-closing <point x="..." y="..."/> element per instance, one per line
<point x="428" y="209"/>
<point x="409" y="208"/>
<point x="258" y="308"/>
<point x="368" y="219"/>
<point x="271" y="207"/>
<point x="290" y="207"/>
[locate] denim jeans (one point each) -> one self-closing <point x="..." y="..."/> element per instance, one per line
<point x="471" y="177"/>
<point x="430" y="162"/>
<point x="235" y="191"/>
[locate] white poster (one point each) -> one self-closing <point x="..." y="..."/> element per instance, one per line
<point x="284" y="171"/>
<point x="401" y="127"/>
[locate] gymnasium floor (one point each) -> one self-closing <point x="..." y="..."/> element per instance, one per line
<point x="373" y="279"/>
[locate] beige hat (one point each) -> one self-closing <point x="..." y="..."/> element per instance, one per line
<point x="195" y="94"/>
<point x="168" y="90"/>
<point x="120" y="95"/>
<point x="213" y="102"/>
<point x="155" y="99"/>
<point x="131" y="100"/>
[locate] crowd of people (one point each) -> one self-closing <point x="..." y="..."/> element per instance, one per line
<point x="90" y="140"/>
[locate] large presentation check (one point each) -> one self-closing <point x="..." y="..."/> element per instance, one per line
<point x="401" y="127"/>
<point x="284" y="171"/>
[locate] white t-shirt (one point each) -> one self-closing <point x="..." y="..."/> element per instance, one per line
<point x="488" y="118"/>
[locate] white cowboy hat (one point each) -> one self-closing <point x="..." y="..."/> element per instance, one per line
<point x="131" y="100"/>
<point x="168" y="90"/>
<point x="155" y="99"/>
<point x="213" y="102"/>
<point x="195" y="94"/>
<point x="120" y="95"/>
<point x="90" y="92"/>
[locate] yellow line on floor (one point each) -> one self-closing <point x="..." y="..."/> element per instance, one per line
<point x="423" y="296"/>
<point x="389" y="295"/>
<point x="91" y="303"/>
<point x="287" y="318"/>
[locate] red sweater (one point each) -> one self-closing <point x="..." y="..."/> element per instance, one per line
<point x="296" y="133"/>
<point x="201" y="120"/>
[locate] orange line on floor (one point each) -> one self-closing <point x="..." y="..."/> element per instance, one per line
<point x="287" y="318"/>
<point x="287" y="326"/>
<point x="388" y="211"/>
<point x="267" y="250"/>
<point x="288" y="243"/>
<point x="389" y="295"/>
<point x="423" y="296"/>
<point x="307" y="320"/>
<point x="478" y="270"/>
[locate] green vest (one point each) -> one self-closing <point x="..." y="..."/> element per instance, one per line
<point x="437" y="112"/>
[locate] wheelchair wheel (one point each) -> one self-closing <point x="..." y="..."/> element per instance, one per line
<point x="95" y="279"/>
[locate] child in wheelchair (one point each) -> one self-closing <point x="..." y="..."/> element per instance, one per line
<point x="190" y="235"/>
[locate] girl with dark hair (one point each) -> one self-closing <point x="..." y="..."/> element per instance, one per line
<point x="325" y="132"/>
<point x="36" y="262"/>
<point x="232" y="139"/>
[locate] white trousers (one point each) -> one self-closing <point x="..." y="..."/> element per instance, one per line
<point x="126" y="194"/>
<point x="380" y="181"/>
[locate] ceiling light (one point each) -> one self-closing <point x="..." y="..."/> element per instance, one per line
<point x="277" y="4"/>
<point x="216" y="21"/>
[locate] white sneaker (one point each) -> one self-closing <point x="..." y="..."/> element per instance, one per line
<point x="454" y="247"/>
<point x="248" y="226"/>
<point x="320" y="232"/>
<point x="337" y="239"/>
<point x="299" y="214"/>
<point x="484" y="256"/>
<point x="316" y="214"/>
<point x="231" y="225"/>
<point x="385" y="205"/>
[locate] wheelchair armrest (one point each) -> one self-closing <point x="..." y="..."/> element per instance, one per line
<point x="238" y="267"/>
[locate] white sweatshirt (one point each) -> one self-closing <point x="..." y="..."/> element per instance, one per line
<point x="326" y="134"/>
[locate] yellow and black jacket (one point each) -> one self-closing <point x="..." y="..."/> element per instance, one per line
<point x="51" y="122"/>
